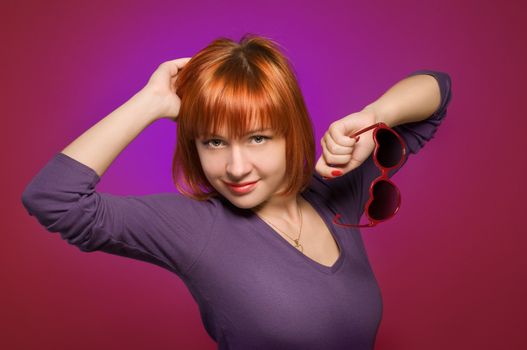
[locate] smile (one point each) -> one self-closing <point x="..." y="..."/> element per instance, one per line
<point x="243" y="188"/>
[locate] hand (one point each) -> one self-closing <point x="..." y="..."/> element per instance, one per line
<point x="342" y="153"/>
<point x="161" y="85"/>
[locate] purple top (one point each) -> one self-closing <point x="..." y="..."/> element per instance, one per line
<point x="253" y="288"/>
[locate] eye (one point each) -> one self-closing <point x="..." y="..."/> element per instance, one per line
<point x="212" y="143"/>
<point x="260" y="138"/>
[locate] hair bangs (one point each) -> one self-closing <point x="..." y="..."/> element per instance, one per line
<point x="236" y="104"/>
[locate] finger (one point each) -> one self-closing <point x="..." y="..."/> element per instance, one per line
<point x="180" y="62"/>
<point x="329" y="172"/>
<point x="334" y="159"/>
<point x="174" y="66"/>
<point x="173" y="81"/>
<point x="338" y="131"/>
<point x="349" y="127"/>
<point x="336" y="148"/>
<point x="324" y="170"/>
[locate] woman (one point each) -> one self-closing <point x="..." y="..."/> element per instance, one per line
<point x="251" y="234"/>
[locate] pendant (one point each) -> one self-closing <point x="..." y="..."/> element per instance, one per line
<point x="299" y="246"/>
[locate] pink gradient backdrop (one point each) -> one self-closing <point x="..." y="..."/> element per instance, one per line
<point x="450" y="264"/>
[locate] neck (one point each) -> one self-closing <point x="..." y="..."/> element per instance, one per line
<point x="285" y="209"/>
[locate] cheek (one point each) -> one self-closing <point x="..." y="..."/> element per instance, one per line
<point x="275" y="164"/>
<point x="211" y="164"/>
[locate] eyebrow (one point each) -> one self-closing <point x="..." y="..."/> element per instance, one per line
<point x="250" y="132"/>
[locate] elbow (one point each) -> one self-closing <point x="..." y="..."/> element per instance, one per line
<point x="75" y="221"/>
<point x="45" y="206"/>
<point x="28" y="200"/>
<point x="37" y="205"/>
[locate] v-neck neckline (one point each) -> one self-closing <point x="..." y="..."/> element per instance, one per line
<point x="324" y="215"/>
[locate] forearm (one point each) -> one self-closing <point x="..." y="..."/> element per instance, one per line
<point x="102" y="143"/>
<point x="412" y="99"/>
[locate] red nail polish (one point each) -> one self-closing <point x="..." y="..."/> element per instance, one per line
<point x="336" y="173"/>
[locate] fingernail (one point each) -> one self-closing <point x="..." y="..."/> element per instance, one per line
<point x="357" y="138"/>
<point x="336" y="173"/>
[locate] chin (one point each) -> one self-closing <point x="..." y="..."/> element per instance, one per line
<point x="243" y="203"/>
<point x="248" y="206"/>
<point x="248" y="201"/>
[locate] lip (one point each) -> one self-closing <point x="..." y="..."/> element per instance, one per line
<point x="242" y="188"/>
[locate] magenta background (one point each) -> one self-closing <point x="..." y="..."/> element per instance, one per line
<point x="450" y="265"/>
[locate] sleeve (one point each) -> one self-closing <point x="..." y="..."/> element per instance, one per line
<point x="415" y="135"/>
<point x="166" y="229"/>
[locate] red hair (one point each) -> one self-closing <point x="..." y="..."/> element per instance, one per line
<point x="237" y="85"/>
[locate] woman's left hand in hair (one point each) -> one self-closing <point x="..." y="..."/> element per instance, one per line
<point x="342" y="153"/>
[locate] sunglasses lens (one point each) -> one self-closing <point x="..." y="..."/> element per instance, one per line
<point x="390" y="149"/>
<point x="385" y="200"/>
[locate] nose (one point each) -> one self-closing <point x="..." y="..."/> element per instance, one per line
<point x="238" y="165"/>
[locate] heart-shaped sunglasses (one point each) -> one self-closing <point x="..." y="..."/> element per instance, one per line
<point x="385" y="197"/>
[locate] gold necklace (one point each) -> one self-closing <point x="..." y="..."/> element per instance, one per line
<point x="297" y="244"/>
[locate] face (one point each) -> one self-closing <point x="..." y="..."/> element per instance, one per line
<point x="258" y="158"/>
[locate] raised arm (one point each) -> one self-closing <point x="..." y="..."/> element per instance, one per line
<point x="98" y="147"/>
<point x="411" y="99"/>
<point x="167" y="229"/>
<point x="414" y="107"/>
<point x="419" y="97"/>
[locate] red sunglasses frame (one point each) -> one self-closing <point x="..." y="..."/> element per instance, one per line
<point x="382" y="177"/>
